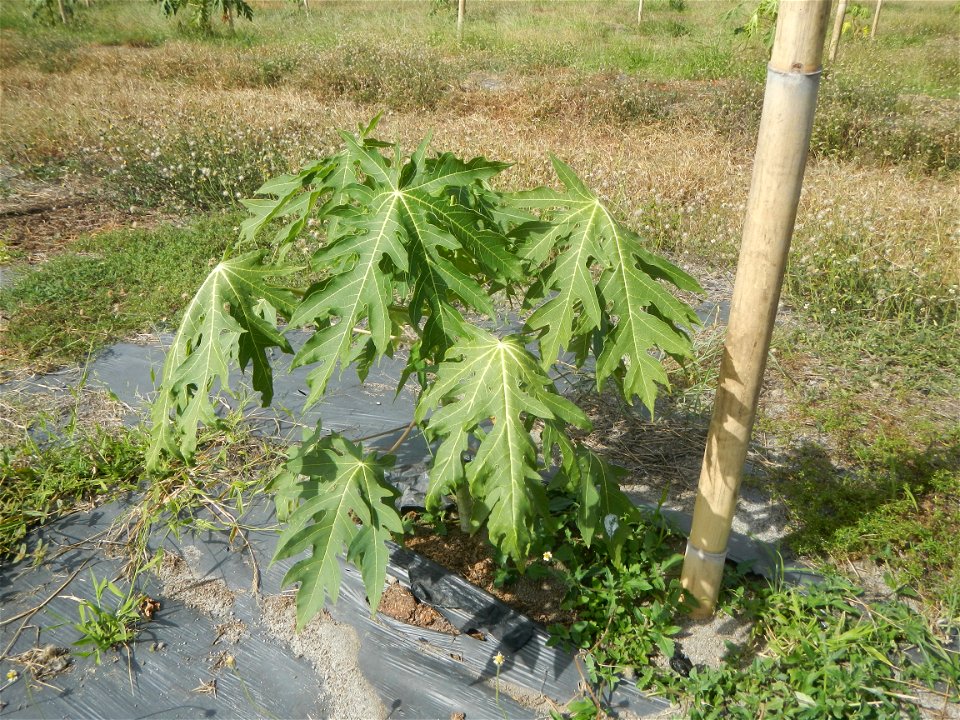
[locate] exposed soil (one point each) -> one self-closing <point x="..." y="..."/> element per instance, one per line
<point x="179" y="581"/>
<point x="40" y="219"/>
<point x="400" y="604"/>
<point x="472" y="558"/>
<point x="45" y="231"/>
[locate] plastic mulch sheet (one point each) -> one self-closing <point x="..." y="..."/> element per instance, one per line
<point x="223" y="642"/>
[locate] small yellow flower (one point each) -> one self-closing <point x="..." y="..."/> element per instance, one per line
<point x="13" y="675"/>
<point x="498" y="659"/>
<point x="547" y="556"/>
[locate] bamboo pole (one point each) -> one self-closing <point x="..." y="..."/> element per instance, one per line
<point x="461" y="11"/>
<point x="837" y="29"/>
<point x="876" y="19"/>
<point x="793" y="78"/>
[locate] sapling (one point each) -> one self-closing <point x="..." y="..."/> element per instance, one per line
<point x="411" y="248"/>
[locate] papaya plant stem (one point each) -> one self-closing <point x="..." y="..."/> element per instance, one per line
<point x="464" y="507"/>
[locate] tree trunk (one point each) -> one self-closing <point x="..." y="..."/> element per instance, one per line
<point x="639" y="12"/>
<point x="63" y="11"/>
<point x="837" y="29"/>
<point x="793" y="78"/>
<point x="876" y="19"/>
<point x="461" y="11"/>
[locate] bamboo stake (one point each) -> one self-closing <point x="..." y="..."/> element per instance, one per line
<point x="461" y="11"/>
<point x="793" y="78"/>
<point x="876" y="19"/>
<point x="837" y="29"/>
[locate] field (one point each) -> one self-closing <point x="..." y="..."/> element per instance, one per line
<point x="129" y="138"/>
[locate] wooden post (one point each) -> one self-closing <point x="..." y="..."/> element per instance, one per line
<point x="837" y="29"/>
<point x="876" y="19"/>
<point x="461" y="11"/>
<point x="639" y="12"/>
<point x="793" y="78"/>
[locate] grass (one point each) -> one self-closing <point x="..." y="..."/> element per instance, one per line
<point x="857" y="434"/>
<point x="75" y="453"/>
<point x="827" y="652"/>
<point x="41" y="481"/>
<point x="105" y="627"/>
<point x="107" y="287"/>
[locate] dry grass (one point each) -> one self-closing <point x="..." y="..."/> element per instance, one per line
<point x="680" y="162"/>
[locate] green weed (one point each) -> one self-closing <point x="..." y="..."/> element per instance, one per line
<point x="105" y="627"/>
<point x="897" y="507"/>
<point x="814" y="651"/>
<point x="40" y="482"/>
<point x="822" y="651"/>
<point x="626" y="604"/>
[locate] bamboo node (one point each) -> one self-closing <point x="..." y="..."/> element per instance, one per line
<point x="771" y="69"/>
<point x="704" y="556"/>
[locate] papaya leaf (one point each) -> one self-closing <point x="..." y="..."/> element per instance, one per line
<point x="496" y="382"/>
<point x="602" y="505"/>
<point x="395" y="216"/>
<point x="341" y="487"/>
<point x="629" y="311"/>
<point x="283" y="196"/>
<point x="232" y="320"/>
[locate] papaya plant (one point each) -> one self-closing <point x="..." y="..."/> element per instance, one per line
<point x="412" y="248"/>
<point x="202" y="11"/>
<point x="53" y="11"/>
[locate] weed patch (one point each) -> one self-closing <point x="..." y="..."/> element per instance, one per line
<point x="823" y="651"/>
<point x="864" y="119"/>
<point x="43" y="481"/>
<point x="110" y="285"/>
<point x="897" y="507"/>
<point x="192" y="168"/>
<point x="104" y="627"/>
<point x="401" y="77"/>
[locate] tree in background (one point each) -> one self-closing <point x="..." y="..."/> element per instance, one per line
<point x="762" y="21"/>
<point x="54" y="11"/>
<point x="201" y="11"/>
